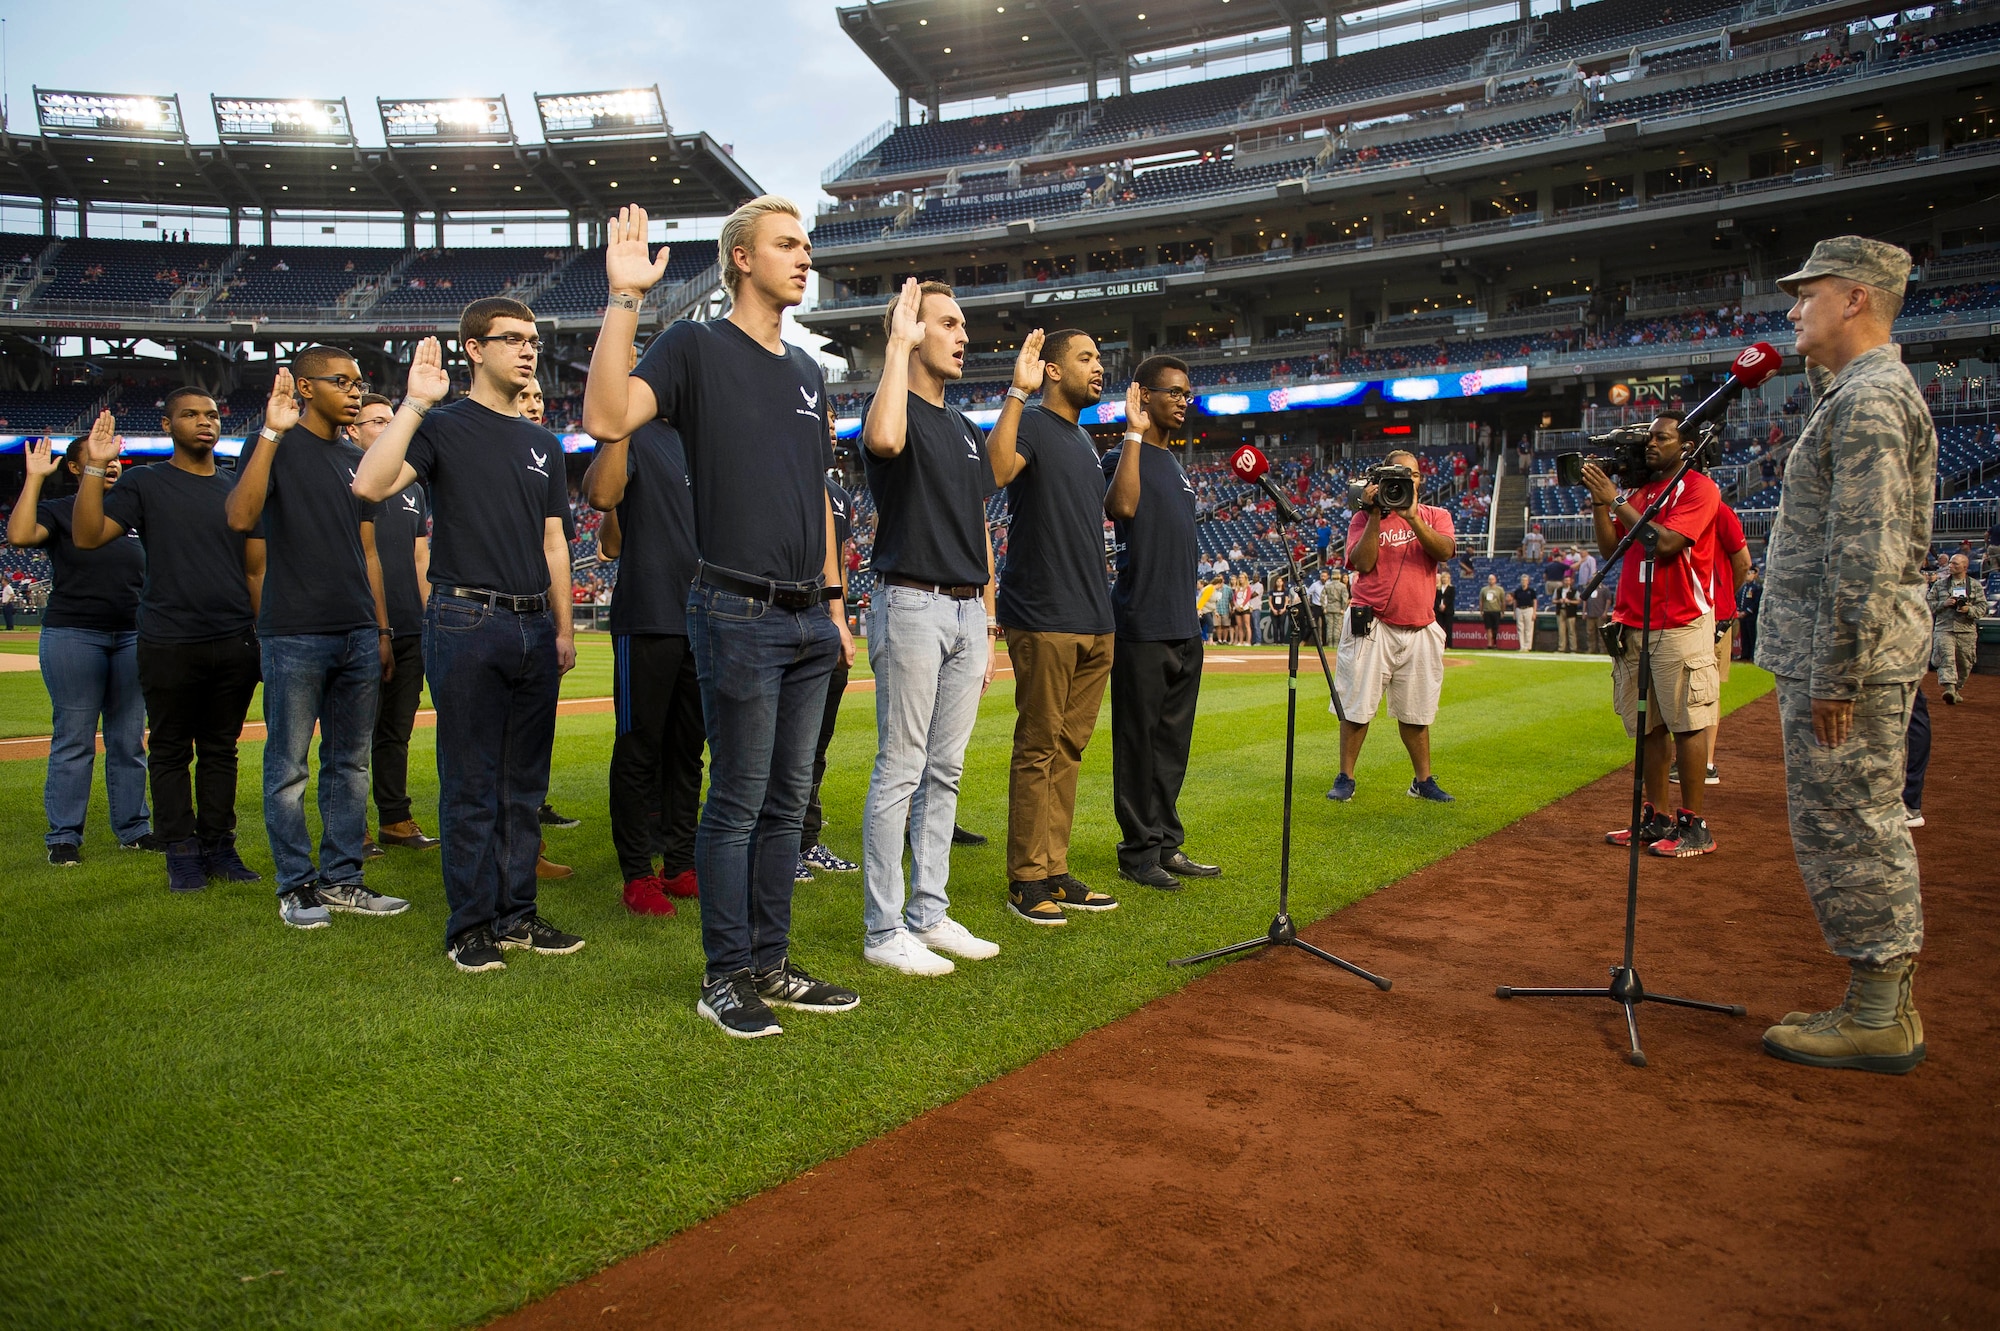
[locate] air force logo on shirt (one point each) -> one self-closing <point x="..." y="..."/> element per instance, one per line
<point x="540" y="464"/>
<point x="409" y="503"/>
<point x="811" y="408"/>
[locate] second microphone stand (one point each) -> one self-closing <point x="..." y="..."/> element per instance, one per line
<point x="1625" y="989"/>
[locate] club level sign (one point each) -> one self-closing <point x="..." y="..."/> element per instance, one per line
<point x="1145" y="287"/>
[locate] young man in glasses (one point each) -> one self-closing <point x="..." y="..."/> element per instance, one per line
<point x="1156" y="669"/>
<point x="323" y="632"/>
<point x="403" y="549"/>
<point x="747" y="407"/>
<point x="197" y="629"/>
<point x="497" y="631"/>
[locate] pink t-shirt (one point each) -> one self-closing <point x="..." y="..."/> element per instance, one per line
<point x="1402" y="587"/>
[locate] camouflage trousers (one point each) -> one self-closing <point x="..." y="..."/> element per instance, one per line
<point x="1956" y="650"/>
<point x="1846" y="803"/>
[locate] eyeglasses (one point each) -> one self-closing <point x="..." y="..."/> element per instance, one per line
<point x="1172" y="394"/>
<point x="341" y="383"/>
<point x="514" y="341"/>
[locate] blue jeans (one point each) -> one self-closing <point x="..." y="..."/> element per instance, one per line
<point x="763" y="673"/>
<point x="331" y="679"/>
<point x="92" y="673"/>
<point x="494" y="680"/>
<point x="929" y="656"/>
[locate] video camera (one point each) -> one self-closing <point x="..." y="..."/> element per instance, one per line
<point x="1623" y="457"/>
<point x="1395" y="489"/>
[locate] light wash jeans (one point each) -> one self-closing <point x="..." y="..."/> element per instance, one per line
<point x="332" y="679"/>
<point x="92" y="673"/>
<point x="929" y="655"/>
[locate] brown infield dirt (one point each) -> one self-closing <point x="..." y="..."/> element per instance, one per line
<point x="1281" y="1144"/>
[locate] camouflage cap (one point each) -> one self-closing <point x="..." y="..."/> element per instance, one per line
<point x="1856" y="258"/>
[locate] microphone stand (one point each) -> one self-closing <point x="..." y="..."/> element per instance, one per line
<point x="1625" y="988"/>
<point x="1298" y="618"/>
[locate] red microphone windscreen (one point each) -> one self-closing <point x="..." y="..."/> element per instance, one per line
<point x="1754" y="364"/>
<point x="1249" y="463"/>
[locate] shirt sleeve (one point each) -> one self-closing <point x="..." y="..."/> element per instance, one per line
<point x="1866" y="541"/>
<point x="1440" y="520"/>
<point x="1110" y="464"/>
<point x="664" y="369"/>
<point x="125" y="504"/>
<point x="1355" y="526"/>
<point x="422" y="452"/>
<point x="1692" y="512"/>
<point x="557" y="496"/>
<point x="54" y="516"/>
<point x="1728" y="531"/>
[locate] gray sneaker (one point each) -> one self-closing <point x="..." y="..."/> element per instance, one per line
<point x="356" y="899"/>
<point x="302" y="909"/>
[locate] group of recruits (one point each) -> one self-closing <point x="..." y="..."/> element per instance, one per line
<point x="730" y="630"/>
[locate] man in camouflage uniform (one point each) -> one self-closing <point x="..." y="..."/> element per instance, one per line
<point x="1845" y="630"/>
<point x="1958" y="603"/>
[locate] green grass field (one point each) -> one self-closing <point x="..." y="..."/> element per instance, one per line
<point x="215" y="1121"/>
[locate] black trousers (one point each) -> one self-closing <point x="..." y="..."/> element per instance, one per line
<point x="196" y="696"/>
<point x="1154" y="689"/>
<point x="1746" y="634"/>
<point x="809" y="831"/>
<point x="1917" y="751"/>
<point x="656" y="758"/>
<point x="395" y="717"/>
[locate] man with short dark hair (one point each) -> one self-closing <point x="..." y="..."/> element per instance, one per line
<point x="1156" y="667"/>
<point x="198" y="663"/>
<point x="497" y="637"/>
<point x="403" y="550"/>
<point x="323" y="632"/>
<point x="1055" y="605"/>
<point x="1569" y="609"/>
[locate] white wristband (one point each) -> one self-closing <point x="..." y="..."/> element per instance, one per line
<point x="268" y="433"/>
<point x="1134" y="437"/>
<point x="1017" y="395"/>
<point x="99" y="472"/>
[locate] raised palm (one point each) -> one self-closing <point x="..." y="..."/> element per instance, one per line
<point x="1028" y="366"/>
<point x="103" y="446"/>
<point x="1137" y="420"/>
<point x="904" y="325"/>
<point x="281" y="413"/>
<point x="41" y="457"/>
<point x="428" y="382"/>
<point x="627" y="266"/>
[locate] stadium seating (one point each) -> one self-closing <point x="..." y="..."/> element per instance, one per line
<point x="53" y="412"/>
<point x="301" y="275"/>
<point x="581" y="289"/>
<point x="448" y="279"/>
<point x="127" y="272"/>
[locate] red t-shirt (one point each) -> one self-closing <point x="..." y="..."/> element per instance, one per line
<point x="1729" y="539"/>
<point x="1684" y="586"/>
<point x="1402" y="587"/>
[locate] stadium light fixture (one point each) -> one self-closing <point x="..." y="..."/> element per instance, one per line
<point x="282" y="120"/>
<point x="445" y="120"/>
<point x="616" y="113"/>
<point x="108" y="115"/>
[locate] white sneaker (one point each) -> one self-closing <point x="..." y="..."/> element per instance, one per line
<point x="948" y="935"/>
<point x="904" y="953"/>
<point x="1913" y="817"/>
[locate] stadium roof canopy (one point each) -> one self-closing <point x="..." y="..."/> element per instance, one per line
<point x="598" y="150"/>
<point x="976" y="48"/>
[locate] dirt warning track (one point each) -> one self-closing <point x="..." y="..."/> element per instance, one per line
<point x="1280" y="1144"/>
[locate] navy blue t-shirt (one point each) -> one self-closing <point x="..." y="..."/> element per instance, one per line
<point x="94" y="589"/>
<point x="656" y="522"/>
<point x="1054" y="581"/>
<point x="494" y="482"/>
<point x="753" y="427"/>
<point x="1153" y="597"/>
<point x="315" y="573"/>
<point x="401" y="521"/>
<point x="930" y="499"/>
<point x="196" y="590"/>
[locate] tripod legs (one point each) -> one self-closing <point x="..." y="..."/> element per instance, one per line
<point x="1626" y="991"/>
<point x="1282" y="934"/>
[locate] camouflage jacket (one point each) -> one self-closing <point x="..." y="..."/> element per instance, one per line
<point x="1975" y="604"/>
<point x="1843" y="583"/>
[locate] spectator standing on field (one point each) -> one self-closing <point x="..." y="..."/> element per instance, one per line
<point x="1569" y="610"/>
<point x="1524" y="602"/>
<point x="1493" y="604"/>
<point x="1957" y="603"/>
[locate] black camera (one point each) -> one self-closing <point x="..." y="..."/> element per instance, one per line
<point x="1395" y="489"/>
<point x="1624" y="458"/>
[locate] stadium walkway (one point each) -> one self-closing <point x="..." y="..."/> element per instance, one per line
<point x="1280" y="1144"/>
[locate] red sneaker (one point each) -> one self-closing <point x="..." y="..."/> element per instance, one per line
<point x="1690" y="837"/>
<point x="643" y="896"/>
<point x="682" y="884"/>
<point x="1652" y="826"/>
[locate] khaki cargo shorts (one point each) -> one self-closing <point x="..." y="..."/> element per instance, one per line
<point x="1686" y="685"/>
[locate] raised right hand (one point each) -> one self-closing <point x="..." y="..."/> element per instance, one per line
<point x="627" y="268"/>
<point x="281" y="412"/>
<point x="103" y="446"/>
<point x="1028" y="366"/>
<point x="1136" y="417"/>
<point x="904" y="325"/>
<point x="41" y="457"/>
<point x="428" y="382"/>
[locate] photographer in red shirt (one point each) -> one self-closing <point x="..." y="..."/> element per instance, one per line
<point x="1684" y="688"/>
<point x="1390" y="640"/>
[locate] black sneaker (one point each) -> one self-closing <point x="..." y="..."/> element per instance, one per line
<point x="733" y="1004"/>
<point x="65" y="855"/>
<point x="476" y="950"/>
<point x="550" y="818"/>
<point x="184" y="867"/>
<point x="222" y="862"/>
<point x="535" y="932"/>
<point x="1150" y="875"/>
<point x="1652" y="826"/>
<point x="145" y="841"/>
<point x="788" y="986"/>
<point x="1689" y="837"/>
<point x="1070" y="894"/>
<point x="1031" y="902"/>
<point x="963" y="837"/>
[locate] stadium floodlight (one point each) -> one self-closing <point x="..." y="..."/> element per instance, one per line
<point x="108" y="115"/>
<point x="282" y="120"/>
<point x="586" y="115"/>
<point x="446" y="120"/>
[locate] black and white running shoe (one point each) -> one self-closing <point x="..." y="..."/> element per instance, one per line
<point x="732" y="1003"/>
<point x="537" y="933"/>
<point x="788" y="986"/>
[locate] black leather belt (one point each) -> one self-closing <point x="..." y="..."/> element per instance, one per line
<point x="520" y="605"/>
<point x="784" y="595"/>
<point x="959" y="593"/>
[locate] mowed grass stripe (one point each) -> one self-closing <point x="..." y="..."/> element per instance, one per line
<point x="197" y="1097"/>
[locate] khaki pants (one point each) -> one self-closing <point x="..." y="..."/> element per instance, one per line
<point x="1566" y="626"/>
<point x="1059" y="683"/>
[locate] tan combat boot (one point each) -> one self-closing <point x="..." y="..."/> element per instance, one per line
<point x="1877" y="1030"/>
<point x="1832" y="1014"/>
